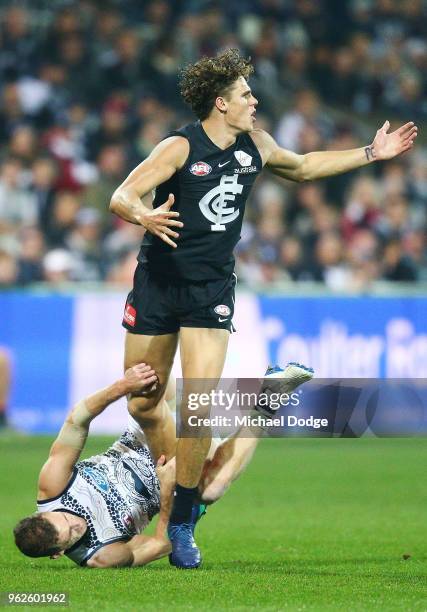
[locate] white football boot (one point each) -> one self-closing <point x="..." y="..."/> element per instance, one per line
<point x="283" y="380"/>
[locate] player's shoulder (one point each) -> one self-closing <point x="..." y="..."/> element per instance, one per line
<point x="264" y="142"/>
<point x="260" y="136"/>
<point x="173" y="141"/>
<point x="174" y="147"/>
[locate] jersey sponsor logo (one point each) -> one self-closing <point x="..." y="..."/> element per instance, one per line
<point x="224" y="164"/>
<point x="222" y="310"/>
<point x="243" y="158"/>
<point x="129" y="316"/>
<point x="214" y="203"/>
<point x="98" y="478"/>
<point x="200" y="168"/>
<point x="247" y="170"/>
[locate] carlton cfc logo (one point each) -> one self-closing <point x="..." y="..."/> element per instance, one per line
<point x="200" y="168"/>
<point x="214" y="204"/>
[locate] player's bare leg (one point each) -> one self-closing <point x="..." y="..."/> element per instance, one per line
<point x="170" y="393"/>
<point x="203" y="354"/>
<point x="229" y="461"/>
<point x="226" y="462"/>
<point x="151" y="410"/>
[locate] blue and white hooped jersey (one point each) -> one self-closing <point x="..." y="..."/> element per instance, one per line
<point x="117" y="493"/>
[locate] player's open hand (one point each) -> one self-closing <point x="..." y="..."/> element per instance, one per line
<point x="139" y="378"/>
<point x="386" y="146"/>
<point x="160" y="221"/>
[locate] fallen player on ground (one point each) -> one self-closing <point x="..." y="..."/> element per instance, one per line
<point x="94" y="510"/>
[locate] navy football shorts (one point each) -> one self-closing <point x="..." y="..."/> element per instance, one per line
<point x="159" y="305"/>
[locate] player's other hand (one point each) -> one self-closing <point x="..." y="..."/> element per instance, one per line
<point x="386" y="146"/>
<point x="160" y="221"/>
<point x="140" y="378"/>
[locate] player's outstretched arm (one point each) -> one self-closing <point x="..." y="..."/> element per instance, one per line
<point x="165" y="159"/>
<point x="321" y="164"/>
<point x="66" y="449"/>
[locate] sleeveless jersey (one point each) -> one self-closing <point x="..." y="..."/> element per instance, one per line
<point x="210" y="191"/>
<point x="117" y="493"/>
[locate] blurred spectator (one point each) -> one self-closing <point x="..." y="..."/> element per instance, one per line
<point x="63" y="218"/>
<point x="125" y="238"/>
<point x="11" y="111"/>
<point x="8" y="270"/>
<point x="123" y="68"/>
<point x="306" y="114"/>
<point x="111" y="163"/>
<point x="396" y="265"/>
<point x="42" y="186"/>
<point x="113" y="128"/>
<point x="17" y="205"/>
<point x="58" y="266"/>
<point x="363" y="208"/>
<point x="330" y="266"/>
<point x="293" y="260"/>
<point x="32" y="248"/>
<point x="84" y="242"/>
<point x="18" y="45"/>
<point x="123" y="270"/>
<point x="23" y="145"/>
<point x="363" y="251"/>
<point x="414" y="245"/>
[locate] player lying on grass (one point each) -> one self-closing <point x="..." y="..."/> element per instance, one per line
<point x="95" y="510"/>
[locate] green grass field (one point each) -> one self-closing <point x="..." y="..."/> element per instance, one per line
<point x="311" y="525"/>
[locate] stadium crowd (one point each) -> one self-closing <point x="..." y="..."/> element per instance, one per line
<point x="88" y="88"/>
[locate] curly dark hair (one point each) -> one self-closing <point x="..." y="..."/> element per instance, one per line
<point x="210" y="77"/>
<point x="36" y="537"/>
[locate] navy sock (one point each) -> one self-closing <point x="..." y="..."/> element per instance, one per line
<point x="183" y="504"/>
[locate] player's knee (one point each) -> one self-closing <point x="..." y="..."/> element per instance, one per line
<point x="143" y="407"/>
<point x="214" y="491"/>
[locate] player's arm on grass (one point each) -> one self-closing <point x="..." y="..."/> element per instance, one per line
<point x="165" y="159"/>
<point x="320" y="164"/>
<point x="67" y="447"/>
<point x="142" y="549"/>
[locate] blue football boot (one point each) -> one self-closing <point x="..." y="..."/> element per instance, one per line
<point x="185" y="553"/>
<point x="279" y="380"/>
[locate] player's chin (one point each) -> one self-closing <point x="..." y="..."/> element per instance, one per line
<point x="249" y="126"/>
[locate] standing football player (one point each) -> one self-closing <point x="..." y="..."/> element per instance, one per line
<point x="184" y="283"/>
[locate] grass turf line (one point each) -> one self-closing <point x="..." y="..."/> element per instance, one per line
<point x="312" y="524"/>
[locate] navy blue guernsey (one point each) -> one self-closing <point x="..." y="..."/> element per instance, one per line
<point x="210" y="192"/>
